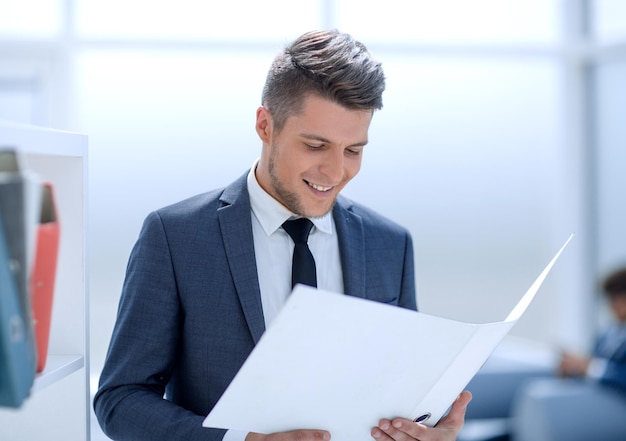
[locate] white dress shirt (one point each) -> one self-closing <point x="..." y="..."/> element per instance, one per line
<point x="273" y="249"/>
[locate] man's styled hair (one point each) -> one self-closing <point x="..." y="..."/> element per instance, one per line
<point x="329" y="64"/>
<point x="615" y="283"/>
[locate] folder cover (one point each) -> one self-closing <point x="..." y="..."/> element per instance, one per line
<point x="43" y="274"/>
<point x="17" y="354"/>
<point x="340" y="363"/>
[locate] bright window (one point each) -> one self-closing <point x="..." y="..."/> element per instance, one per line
<point x="452" y="21"/>
<point x="609" y="20"/>
<point x="30" y="18"/>
<point x="195" y="19"/>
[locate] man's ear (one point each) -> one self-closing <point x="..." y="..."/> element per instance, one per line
<point x="264" y="124"/>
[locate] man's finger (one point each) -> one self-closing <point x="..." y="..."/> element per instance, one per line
<point x="456" y="416"/>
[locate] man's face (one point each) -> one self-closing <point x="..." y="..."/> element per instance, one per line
<point x="618" y="305"/>
<point x="313" y="157"/>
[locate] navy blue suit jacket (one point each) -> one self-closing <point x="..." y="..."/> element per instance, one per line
<point x="609" y="348"/>
<point x="190" y="310"/>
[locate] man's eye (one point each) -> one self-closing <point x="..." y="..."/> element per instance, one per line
<point x="354" y="152"/>
<point x="314" y="147"/>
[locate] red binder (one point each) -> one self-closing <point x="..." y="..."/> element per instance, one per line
<point x="44" y="273"/>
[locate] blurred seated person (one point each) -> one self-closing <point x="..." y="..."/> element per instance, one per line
<point x="607" y="363"/>
<point x="588" y="401"/>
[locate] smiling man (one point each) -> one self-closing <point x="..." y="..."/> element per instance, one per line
<point x="208" y="274"/>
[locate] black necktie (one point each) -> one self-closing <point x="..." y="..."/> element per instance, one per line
<point x="303" y="264"/>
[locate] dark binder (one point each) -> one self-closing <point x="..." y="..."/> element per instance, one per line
<point x="17" y="355"/>
<point x="19" y="204"/>
<point x="44" y="273"/>
<point x="19" y="209"/>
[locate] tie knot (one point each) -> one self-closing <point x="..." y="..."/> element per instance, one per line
<point x="298" y="229"/>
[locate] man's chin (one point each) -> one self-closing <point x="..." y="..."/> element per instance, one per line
<point x="320" y="211"/>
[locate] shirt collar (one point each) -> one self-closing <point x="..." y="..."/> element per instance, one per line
<point x="271" y="214"/>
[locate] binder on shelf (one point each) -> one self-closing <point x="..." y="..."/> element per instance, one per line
<point x="20" y="203"/>
<point x="43" y="274"/>
<point x="17" y="355"/>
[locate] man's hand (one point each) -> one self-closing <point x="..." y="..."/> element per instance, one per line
<point x="572" y="365"/>
<point x="296" y="435"/>
<point x="401" y="429"/>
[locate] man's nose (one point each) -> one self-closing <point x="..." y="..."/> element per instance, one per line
<point x="333" y="166"/>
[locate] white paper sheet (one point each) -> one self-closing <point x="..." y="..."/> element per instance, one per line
<point x="340" y="363"/>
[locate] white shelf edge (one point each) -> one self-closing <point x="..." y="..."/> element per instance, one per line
<point x="57" y="368"/>
<point x="35" y="140"/>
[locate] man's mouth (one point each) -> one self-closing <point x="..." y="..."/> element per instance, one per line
<point x="318" y="187"/>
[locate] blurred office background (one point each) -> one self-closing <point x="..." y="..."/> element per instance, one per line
<point x="502" y="132"/>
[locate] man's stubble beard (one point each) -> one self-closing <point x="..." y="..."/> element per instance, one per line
<point x="288" y="198"/>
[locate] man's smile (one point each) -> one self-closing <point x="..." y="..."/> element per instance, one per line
<point x="318" y="187"/>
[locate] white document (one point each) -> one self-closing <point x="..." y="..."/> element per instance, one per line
<point x="340" y="363"/>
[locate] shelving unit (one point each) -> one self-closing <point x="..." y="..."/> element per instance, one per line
<point x="58" y="407"/>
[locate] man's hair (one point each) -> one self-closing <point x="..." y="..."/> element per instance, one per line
<point x="615" y="283"/>
<point x="329" y="64"/>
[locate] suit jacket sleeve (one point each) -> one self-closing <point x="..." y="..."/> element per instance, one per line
<point x="130" y="402"/>
<point x="614" y="374"/>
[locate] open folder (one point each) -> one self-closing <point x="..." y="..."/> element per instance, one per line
<point x="339" y="363"/>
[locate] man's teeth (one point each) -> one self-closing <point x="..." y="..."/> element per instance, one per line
<point x="319" y="187"/>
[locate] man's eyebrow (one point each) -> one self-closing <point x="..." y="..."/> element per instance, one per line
<point x="313" y="137"/>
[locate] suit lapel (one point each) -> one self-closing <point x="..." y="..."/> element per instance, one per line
<point x="351" y="239"/>
<point x="236" y="228"/>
